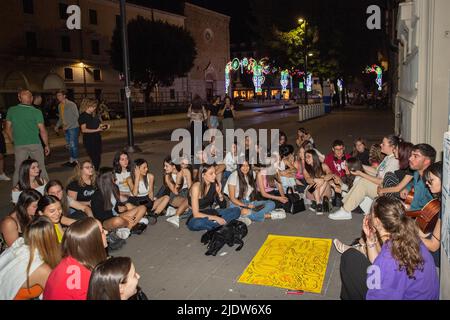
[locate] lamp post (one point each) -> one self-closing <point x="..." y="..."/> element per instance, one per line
<point x="126" y="65"/>
<point x="305" y="50"/>
<point x="83" y="66"/>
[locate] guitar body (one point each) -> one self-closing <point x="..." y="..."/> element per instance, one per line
<point x="427" y="217"/>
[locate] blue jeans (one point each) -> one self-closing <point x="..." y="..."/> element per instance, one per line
<point x="259" y="216"/>
<point x="72" y="140"/>
<point x="198" y="224"/>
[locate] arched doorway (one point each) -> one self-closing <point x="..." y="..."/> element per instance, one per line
<point x="53" y="82"/>
<point x="14" y="81"/>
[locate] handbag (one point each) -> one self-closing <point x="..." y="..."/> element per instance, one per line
<point x="295" y="203"/>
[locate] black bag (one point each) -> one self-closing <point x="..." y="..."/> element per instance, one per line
<point x="295" y="203"/>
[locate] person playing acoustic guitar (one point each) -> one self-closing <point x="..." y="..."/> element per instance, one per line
<point x="422" y="156"/>
<point x="433" y="177"/>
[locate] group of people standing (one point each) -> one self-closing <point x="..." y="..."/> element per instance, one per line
<point x="25" y="128"/>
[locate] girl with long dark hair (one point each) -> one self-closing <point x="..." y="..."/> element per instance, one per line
<point x="269" y="184"/>
<point x="111" y="212"/>
<point x="113" y="279"/>
<point x="122" y="170"/>
<point x="319" y="177"/>
<point x="394" y="249"/>
<point x="72" y="209"/>
<point x="29" y="178"/>
<point x="142" y="184"/>
<point x="83" y="247"/>
<point x="433" y="178"/>
<point x="202" y="196"/>
<point x="178" y="180"/>
<point x="13" y="226"/>
<point x="241" y="189"/>
<point x="395" y="182"/>
<point x="50" y="207"/>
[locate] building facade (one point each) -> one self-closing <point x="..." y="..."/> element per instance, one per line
<point x="422" y="103"/>
<point x="39" y="52"/>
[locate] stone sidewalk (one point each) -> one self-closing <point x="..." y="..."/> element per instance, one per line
<point x="171" y="261"/>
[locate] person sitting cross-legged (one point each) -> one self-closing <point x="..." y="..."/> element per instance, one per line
<point x="241" y="189"/>
<point x="202" y="196"/>
<point x="370" y="180"/>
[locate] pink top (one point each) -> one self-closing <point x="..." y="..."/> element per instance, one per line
<point x="267" y="187"/>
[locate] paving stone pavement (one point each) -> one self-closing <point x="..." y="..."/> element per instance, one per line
<point x="171" y="261"/>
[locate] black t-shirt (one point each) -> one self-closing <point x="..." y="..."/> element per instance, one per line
<point x="227" y="113"/>
<point x="97" y="205"/>
<point x="214" y="109"/>
<point x="363" y="157"/>
<point x="90" y="122"/>
<point x="83" y="193"/>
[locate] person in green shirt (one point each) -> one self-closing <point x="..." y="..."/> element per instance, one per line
<point x="24" y="124"/>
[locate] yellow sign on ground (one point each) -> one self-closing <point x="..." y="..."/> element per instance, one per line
<point x="293" y="263"/>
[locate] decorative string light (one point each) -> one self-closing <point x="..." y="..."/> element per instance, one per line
<point x="379" y="72"/>
<point x="309" y="82"/>
<point x="284" y="79"/>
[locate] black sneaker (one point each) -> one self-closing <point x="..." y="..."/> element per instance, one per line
<point x="313" y="206"/>
<point x="152" y="218"/>
<point x="319" y="209"/>
<point x="326" y="205"/>
<point x="114" y="242"/>
<point x="337" y="201"/>
<point x="139" y="228"/>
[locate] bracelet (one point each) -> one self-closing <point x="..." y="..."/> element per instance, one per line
<point x="371" y="245"/>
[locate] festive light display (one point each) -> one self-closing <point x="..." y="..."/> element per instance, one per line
<point x="259" y="69"/>
<point x="340" y="84"/>
<point x="284" y="79"/>
<point x="379" y="72"/>
<point x="228" y="69"/>
<point x="309" y="82"/>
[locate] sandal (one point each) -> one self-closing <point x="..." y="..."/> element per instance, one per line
<point x="340" y="247"/>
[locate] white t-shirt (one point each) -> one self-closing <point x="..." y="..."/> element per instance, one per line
<point x="122" y="182"/>
<point x="234" y="181"/>
<point x="389" y="164"/>
<point x="230" y="162"/>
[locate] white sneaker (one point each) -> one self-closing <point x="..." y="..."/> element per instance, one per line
<point x="341" y="214"/>
<point x="175" y="220"/>
<point x="4" y="177"/>
<point x="171" y="211"/>
<point x="144" y="221"/>
<point x="245" y="220"/>
<point x="277" y="215"/>
<point x="123" y="233"/>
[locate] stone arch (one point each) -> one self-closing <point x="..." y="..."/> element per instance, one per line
<point x="15" y="80"/>
<point x="53" y="82"/>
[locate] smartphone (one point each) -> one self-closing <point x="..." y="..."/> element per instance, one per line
<point x="312" y="188"/>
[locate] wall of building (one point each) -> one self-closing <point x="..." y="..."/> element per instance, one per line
<point x="422" y="101"/>
<point x="20" y="67"/>
<point x="211" y="34"/>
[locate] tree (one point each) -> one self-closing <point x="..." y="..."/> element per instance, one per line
<point x="159" y="52"/>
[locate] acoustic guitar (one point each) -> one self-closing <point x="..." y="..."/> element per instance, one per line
<point x="427" y="217"/>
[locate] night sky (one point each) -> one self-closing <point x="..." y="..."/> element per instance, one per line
<point x="342" y="21"/>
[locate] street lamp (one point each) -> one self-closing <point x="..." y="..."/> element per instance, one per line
<point x="82" y="65"/>
<point x="126" y="66"/>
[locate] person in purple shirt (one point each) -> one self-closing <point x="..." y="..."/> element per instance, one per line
<point x="396" y="264"/>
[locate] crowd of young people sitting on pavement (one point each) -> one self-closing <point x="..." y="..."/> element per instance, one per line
<point x="53" y="228"/>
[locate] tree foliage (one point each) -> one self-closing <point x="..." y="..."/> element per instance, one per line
<point x="158" y="52"/>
